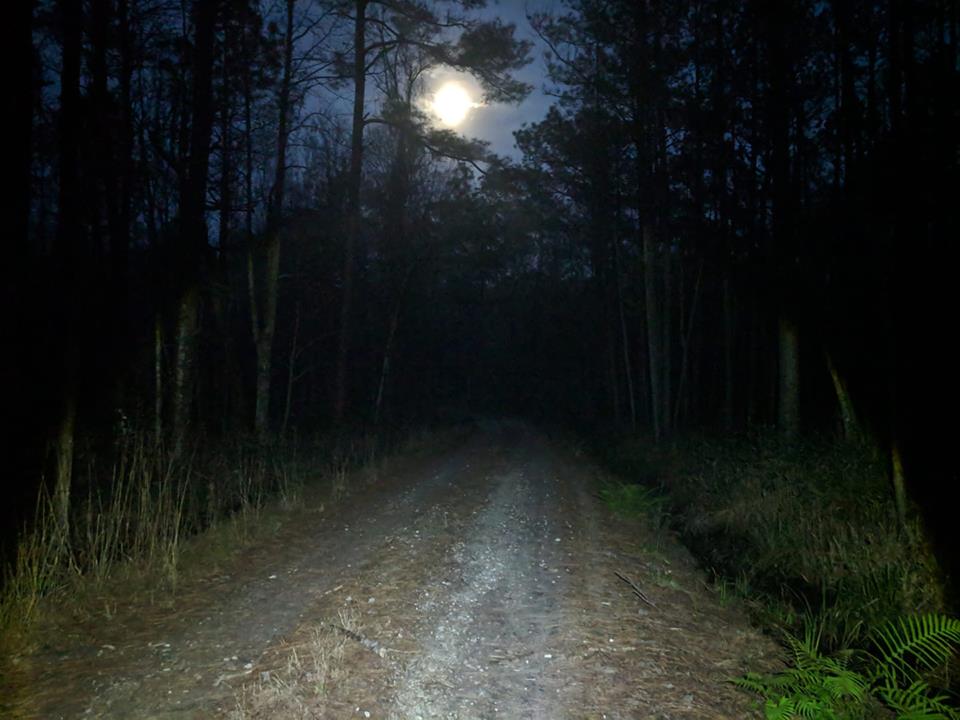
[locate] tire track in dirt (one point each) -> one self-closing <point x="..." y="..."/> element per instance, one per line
<point x="490" y="648"/>
<point x="475" y="583"/>
<point x="502" y="601"/>
<point x="180" y="663"/>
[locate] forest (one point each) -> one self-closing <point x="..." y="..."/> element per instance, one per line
<point x="242" y="236"/>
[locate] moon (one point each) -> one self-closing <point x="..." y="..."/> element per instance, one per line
<point x="451" y="103"/>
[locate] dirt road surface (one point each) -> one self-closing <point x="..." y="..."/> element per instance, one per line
<point x="479" y="580"/>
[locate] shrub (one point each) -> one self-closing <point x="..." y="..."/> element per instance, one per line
<point x="852" y="685"/>
<point x="811" y="525"/>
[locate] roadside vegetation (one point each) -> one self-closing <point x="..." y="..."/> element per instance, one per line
<point x="807" y="536"/>
<point x="142" y="517"/>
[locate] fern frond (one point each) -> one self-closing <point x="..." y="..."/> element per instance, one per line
<point x="846" y="684"/>
<point x="812" y="708"/>
<point x="927" y="640"/>
<point x="783" y="709"/>
<point x="753" y="682"/>
<point x="917" y="703"/>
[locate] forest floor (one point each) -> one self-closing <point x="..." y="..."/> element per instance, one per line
<point x="478" y="580"/>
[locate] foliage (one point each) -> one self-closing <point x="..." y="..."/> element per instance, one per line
<point x="840" y="688"/>
<point x="633" y="500"/>
<point x="138" y="519"/>
<point x="809" y="527"/>
<point x="806" y="534"/>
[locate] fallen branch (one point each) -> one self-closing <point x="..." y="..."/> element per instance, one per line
<point x="371" y="645"/>
<point x="636" y="591"/>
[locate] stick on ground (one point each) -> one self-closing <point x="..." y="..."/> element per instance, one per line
<point x="636" y="591"/>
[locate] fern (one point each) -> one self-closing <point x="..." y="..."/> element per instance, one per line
<point x="828" y="687"/>
<point x="917" y="702"/>
<point x="910" y="644"/>
<point x="815" y="687"/>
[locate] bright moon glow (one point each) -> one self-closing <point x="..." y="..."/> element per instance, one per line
<point x="451" y="103"/>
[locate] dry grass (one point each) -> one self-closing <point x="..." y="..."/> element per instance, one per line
<point x="801" y="528"/>
<point x="292" y="688"/>
<point x="130" y="527"/>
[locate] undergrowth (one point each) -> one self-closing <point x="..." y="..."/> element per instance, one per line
<point x="132" y="525"/>
<point x="857" y="684"/>
<point x="633" y="500"/>
<point x="806" y="535"/>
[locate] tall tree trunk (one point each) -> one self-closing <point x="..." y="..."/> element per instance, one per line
<point x="899" y="482"/>
<point x="70" y="253"/>
<point x="226" y="149"/>
<point x="654" y="331"/>
<point x="388" y="346"/>
<point x="265" y="325"/>
<point x="781" y="83"/>
<point x="624" y="336"/>
<point x="666" y="344"/>
<point x="728" y="341"/>
<point x="192" y="243"/>
<point x="126" y="167"/>
<point x="64" y="470"/>
<point x="184" y="377"/>
<point x="21" y="97"/>
<point x="685" y="341"/>
<point x="353" y="208"/>
<point x="158" y="378"/>
<point x="788" y="407"/>
<point x="291" y="372"/>
<point x="895" y="65"/>
<point x="848" y="417"/>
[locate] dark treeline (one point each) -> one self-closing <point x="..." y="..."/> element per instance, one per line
<point x="236" y="216"/>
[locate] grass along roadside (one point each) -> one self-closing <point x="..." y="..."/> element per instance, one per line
<point x="151" y="522"/>
<point x="807" y="537"/>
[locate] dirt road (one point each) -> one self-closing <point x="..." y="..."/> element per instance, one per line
<point x="479" y="581"/>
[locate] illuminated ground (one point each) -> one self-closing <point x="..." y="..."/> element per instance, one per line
<point x="476" y="581"/>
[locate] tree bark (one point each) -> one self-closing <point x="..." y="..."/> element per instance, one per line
<point x="158" y="378"/>
<point x="188" y="322"/>
<point x="685" y="341"/>
<point x="899" y="482"/>
<point x="848" y="417"/>
<point x="788" y="408"/>
<point x="728" y="341"/>
<point x="625" y="337"/>
<point x="353" y="208"/>
<point x="21" y="108"/>
<point x="70" y="253"/>
<point x="64" y="458"/>
<point x="291" y="372"/>
<point x="264" y="326"/>
<point x="192" y="243"/>
<point x="388" y="346"/>
<point x="654" y="332"/>
<point x="666" y="343"/>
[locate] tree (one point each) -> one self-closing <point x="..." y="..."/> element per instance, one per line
<point x="485" y="49"/>
<point x="263" y="314"/>
<point x="70" y="250"/>
<point x="192" y="245"/>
